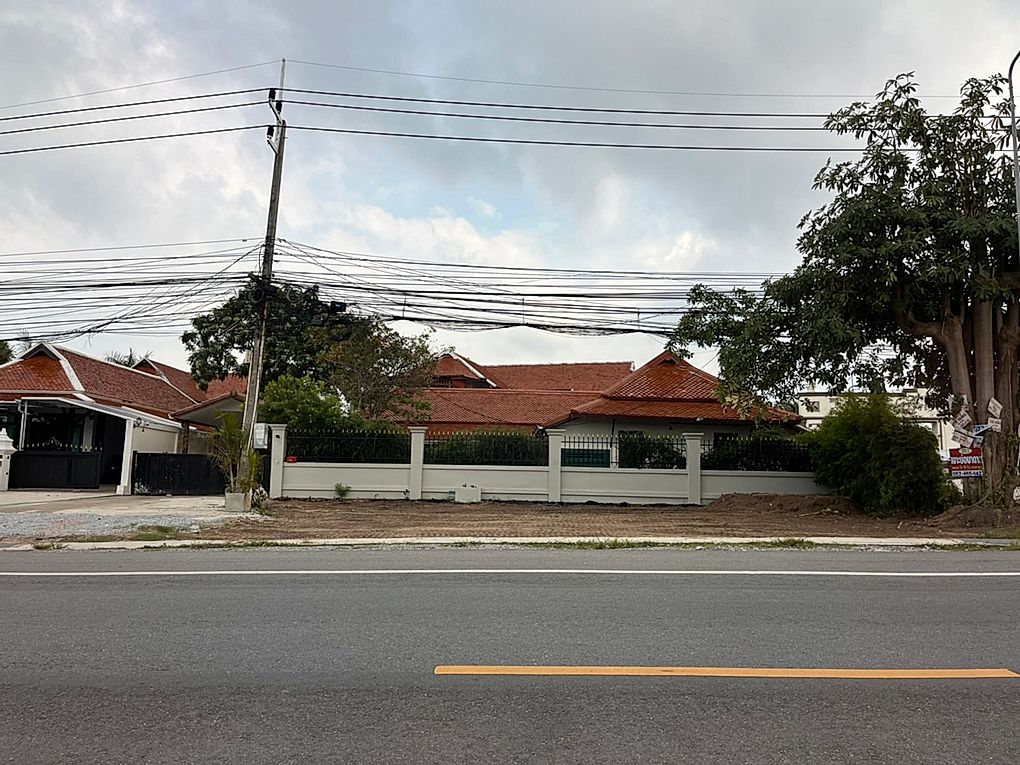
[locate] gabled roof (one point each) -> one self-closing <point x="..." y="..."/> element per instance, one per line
<point x="586" y="376"/>
<point x="49" y="369"/>
<point x="117" y="383"/>
<point x="666" y="388"/>
<point x="666" y="377"/>
<point x="495" y="407"/>
<point x="186" y="384"/>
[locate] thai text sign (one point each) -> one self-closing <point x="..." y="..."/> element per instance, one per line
<point x="965" y="463"/>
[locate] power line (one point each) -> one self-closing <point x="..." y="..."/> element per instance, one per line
<point x="136" y="139"/>
<point x="137" y="85"/>
<point x="552" y="86"/>
<point x="131" y="104"/>
<point x="554" y="121"/>
<point x="121" y="247"/>
<point x="130" y="117"/>
<point x="548" y="107"/>
<point x="585" y="144"/>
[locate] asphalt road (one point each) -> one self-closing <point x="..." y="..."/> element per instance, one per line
<point x="338" y="667"/>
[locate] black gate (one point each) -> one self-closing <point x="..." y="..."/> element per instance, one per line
<point x="55" y="470"/>
<point x="192" y="475"/>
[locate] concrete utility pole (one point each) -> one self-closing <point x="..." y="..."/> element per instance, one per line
<point x="277" y="138"/>
<point x="1016" y="162"/>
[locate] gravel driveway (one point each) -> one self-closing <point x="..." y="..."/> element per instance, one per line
<point x="41" y="515"/>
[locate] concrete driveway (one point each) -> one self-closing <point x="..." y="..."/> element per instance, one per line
<point x="27" y="515"/>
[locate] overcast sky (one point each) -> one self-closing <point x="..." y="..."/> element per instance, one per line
<point x="534" y="205"/>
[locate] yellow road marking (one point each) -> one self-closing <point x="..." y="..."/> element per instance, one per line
<point x="783" y="672"/>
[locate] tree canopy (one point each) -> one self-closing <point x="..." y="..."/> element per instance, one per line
<point x="311" y="349"/>
<point x="380" y="372"/>
<point x="6" y="354"/>
<point x="305" y="404"/>
<point x="909" y="277"/>
<point x="220" y="340"/>
<point x="129" y="359"/>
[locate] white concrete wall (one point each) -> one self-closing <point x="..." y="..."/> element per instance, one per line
<point x="624" y="485"/>
<point x="319" y="480"/>
<point x="496" y="481"/>
<point x="153" y="440"/>
<point x="715" y="483"/>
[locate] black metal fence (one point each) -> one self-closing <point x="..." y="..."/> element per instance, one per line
<point x="627" y="450"/>
<point x="487" y="448"/>
<point x="63" y="469"/>
<point x="359" y="446"/>
<point x="177" y="474"/>
<point x="773" y="454"/>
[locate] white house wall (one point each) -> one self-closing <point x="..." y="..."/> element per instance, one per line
<point x="597" y="426"/>
<point x="319" y="480"/>
<point x="154" y="440"/>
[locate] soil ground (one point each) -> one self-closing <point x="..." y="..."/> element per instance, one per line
<point x="731" y="515"/>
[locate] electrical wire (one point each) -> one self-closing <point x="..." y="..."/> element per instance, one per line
<point x="136" y="139"/>
<point x="517" y="83"/>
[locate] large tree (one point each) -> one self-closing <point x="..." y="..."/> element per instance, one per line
<point x="380" y="372"/>
<point x="220" y="340"/>
<point x="910" y="274"/>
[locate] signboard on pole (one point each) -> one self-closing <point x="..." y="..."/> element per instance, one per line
<point x="994" y="408"/>
<point x="966" y="463"/>
<point x="963" y="438"/>
<point x="995" y="423"/>
<point x="962" y="420"/>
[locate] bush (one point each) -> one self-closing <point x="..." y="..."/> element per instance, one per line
<point x="639" y="450"/>
<point x="879" y="458"/>
<point x="305" y="404"/>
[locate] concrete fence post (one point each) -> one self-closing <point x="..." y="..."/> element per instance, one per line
<point x="417" y="462"/>
<point x="6" y="454"/>
<point x="693" y="441"/>
<point x="277" y="459"/>
<point x="555" y="436"/>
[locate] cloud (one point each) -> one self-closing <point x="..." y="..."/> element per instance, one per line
<point x="473" y="203"/>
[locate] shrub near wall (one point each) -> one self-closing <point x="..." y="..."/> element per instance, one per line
<point x="880" y="459"/>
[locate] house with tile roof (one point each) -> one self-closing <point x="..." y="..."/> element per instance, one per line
<point x="82" y="417"/>
<point x="666" y="395"/>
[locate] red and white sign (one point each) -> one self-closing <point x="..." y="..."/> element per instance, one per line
<point x="966" y="463"/>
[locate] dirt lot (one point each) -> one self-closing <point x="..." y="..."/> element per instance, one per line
<point x="732" y="515"/>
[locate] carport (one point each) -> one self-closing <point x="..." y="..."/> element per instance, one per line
<point x="72" y="443"/>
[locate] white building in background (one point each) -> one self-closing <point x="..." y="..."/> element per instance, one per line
<point x="814" y="406"/>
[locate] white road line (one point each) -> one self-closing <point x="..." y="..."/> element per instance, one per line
<point x="524" y="571"/>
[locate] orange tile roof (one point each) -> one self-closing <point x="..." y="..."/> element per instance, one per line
<point x="35" y="374"/>
<point x="495" y="407"/>
<point x="666" y="377"/>
<point x="586" y="376"/>
<point x="666" y="388"/>
<point x="229" y="384"/>
<point x="121" y="384"/>
<point x="452" y="366"/>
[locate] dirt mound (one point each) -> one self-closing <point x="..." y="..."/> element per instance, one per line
<point x="799" y="504"/>
<point x="977" y="517"/>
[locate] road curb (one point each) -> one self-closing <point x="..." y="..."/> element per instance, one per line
<point x="779" y="542"/>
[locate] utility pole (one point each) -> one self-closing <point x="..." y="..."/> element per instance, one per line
<point x="277" y="138"/>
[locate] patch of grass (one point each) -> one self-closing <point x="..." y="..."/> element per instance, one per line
<point x="47" y="545"/>
<point x="154" y="533"/>
<point x="627" y="544"/>
<point x="788" y="543"/>
<point x="597" y="544"/>
<point x="1002" y="534"/>
<point x="972" y="547"/>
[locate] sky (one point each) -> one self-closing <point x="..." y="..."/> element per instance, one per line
<point x="496" y="204"/>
